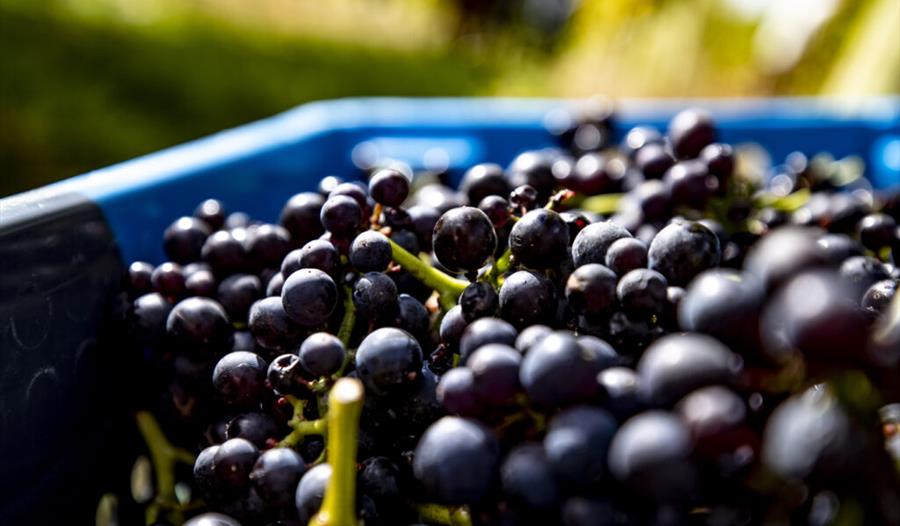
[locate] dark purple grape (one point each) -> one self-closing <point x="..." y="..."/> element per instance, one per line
<point x="224" y="253"/>
<point x="677" y="364"/>
<point x="689" y="185"/>
<point x="653" y="161"/>
<point x="411" y="316"/>
<point x="198" y="323"/>
<point x="239" y="379"/>
<point x="255" y="427"/>
<point x="455" y="461"/>
<point x="271" y="326"/>
<point x="725" y="304"/>
<point x="211" y="212"/>
<point x="387" y="360"/>
<point x="423" y="220"/>
<point x="201" y="283"/>
<point x="861" y="272"/>
<point x="205" y="476"/>
<point x="342" y="216"/>
<point x="625" y="255"/>
<point x="149" y="315"/>
<point x="232" y="463"/>
<point x="457" y="393"/>
<point x="642" y="293"/>
<point x="560" y="356"/>
<point x="273" y="288"/>
<point x="719" y="159"/>
<point x="839" y="247"/>
<point x="371" y="251"/>
<point x="539" y="239"/>
<point x="407" y="240"/>
<point x="496" y="208"/>
<point x="355" y="190"/>
<point x="168" y="280"/>
<point x="534" y="168"/>
<point x="782" y="253"/>
<point x="276" y="474"/>
<point x="267" y="245"/>
<point x="322" y="354"/>
<point x="453" y="324"/>
<point x="300" y="216"/>
<point x="690" y="131"/>
<point x="594" y="173"/>
<point x="482" y="332"/>
<point x="236" y="220"/>
<point x="478" y="300"/>
<point x="810" y="435"/>
<point x="183" y="239"/>
<point x="592" y="243"/>
<point x="714" y="416"/>
<point x="285" y="374"/>
<point x="651" y="454"/>
<point x="817" y="313"/>
<point x="464" y="239"/>
<point x="530" y="336"/>
<point x="880" y="295"/>
<point x="311" y="492"/>
<point x="319" y="254"/>
<point x="577" y="443"/>
<point x="374" y="294"/>
<point x="523" y="197"/>
<point x="682" y="250"/>
<point x="139" y="278"/>
<point x="237" y="293"/>
<point x="639" y="137"/>
<point x="620" y="391"/>
<point x="527" y="298"/>
<point x="389" y="187"/>
<point x="591" y="290"/>
<point x="877" y="231"/>
<point x="483" y="180"/>
<point x="309" y="297"/>
<point x="495" y="368"/>
<point x="528" y="480"/>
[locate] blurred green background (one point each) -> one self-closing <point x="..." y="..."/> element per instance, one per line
<point x="86" y="83"/>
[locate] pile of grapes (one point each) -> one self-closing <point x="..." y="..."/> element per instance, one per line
<point x="651" y="332"/>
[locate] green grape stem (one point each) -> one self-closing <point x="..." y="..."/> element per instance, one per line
<point x="301" y="428"/>
<point x="444" y="515"/>
<point x="448" y="287"/>
<point x="164" y="457"/>
<point x="339" y="505"/>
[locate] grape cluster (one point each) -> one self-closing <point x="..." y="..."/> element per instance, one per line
<point x="634" y="333"/>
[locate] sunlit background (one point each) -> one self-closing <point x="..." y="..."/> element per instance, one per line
<point x="86" y="83"/>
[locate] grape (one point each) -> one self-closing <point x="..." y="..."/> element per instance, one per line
<point x="224" y="253"/>
<point x="651" y="453"/>
<point x="591" y="244"/>
<point x="530" y="336"/>
<point x="239" y="379"/>
<point x="528" y="479"/>
<point x="527" y="298"/>
<point x="237" y="293"/>
<point x="478" y="300"/>
<point x="690" y="131"/>
<point x="276" y="474"/>
<point x="452" y="327"/>
<point x="591" y="290"/>
<point x="535" y="169"/>
<point x="371" y="251"/>
<point x="464" y="239"/>
<point x="285" y="373"/>
<point x="495" y="371"/>
<point x="198" y="322"/>
<point x="680" y="251"/>
<point x="482" y="332"/>
<point x="211" y="212"/>
<point x="271" y="326"/>
<point x="457" y="393"/>
<point x="232" y="463"/>
<point x="688" y="184"/>
<point x="212" y="519"/>
<point x="625" y="255"/>
<point x="879" y="296"/>
<point x="255" y="427"/>
<point x="309" y="297"/>
<point x="642" y="293"/>
<point x="321" y="354"/>
<point x="311" y="491"/>
<point x="455" y="461"/>
<point x="341" y="215"/>
<point x="300" y="216"/>
<point x="267" y="245"/>
<point x="168" y="280"/>
<point x="183" y="239"/>
<point x="389" y="187"/>
<point x="539" y="239"/>
<point x="677" y="364"/>
<point x="620" y="391"/>
<point x="201" y="283"/>
<point x="577" y="443"/>
<point x="387" y="360"/>
<point x="374" y="293"/>
<point x="319" y="254"/>
<point x="149" y="315"/>
<point x="877" y="231"/>
<point x="783" y="253"/>
<point x="423" y="220"/>
<point x="725" y="304"/>
<point x="482" y="181"/>
<point x="555" y="357"/>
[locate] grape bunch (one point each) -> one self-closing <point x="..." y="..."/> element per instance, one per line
<point x="650" y="332"/>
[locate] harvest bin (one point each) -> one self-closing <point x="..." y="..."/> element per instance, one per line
<point x="68" y="377"/>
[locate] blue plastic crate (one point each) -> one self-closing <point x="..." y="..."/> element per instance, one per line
<point x="66" y="382"/>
